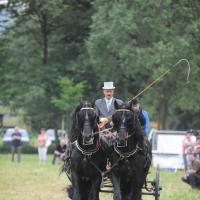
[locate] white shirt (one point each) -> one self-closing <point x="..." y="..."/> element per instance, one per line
<point x="109" y="100"/>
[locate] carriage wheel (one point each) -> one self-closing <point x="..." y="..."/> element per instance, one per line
<point x="157" y="188"/>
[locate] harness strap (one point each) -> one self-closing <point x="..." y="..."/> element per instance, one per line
<point x="87" y="108"/>
<point x="123" y="155"/>
<point x="128" y="166"/>
<point x="123" y="110"/>
<point x="102" y="172"/>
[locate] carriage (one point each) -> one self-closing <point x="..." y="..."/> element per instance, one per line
<point x="129" y="156"/>
<point x="153" y="188"/>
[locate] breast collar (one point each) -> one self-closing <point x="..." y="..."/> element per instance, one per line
<point x="88" y="153"/>
<point x="126" y="155"/>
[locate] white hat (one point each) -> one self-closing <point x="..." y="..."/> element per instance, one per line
<point x="108" y="86"/>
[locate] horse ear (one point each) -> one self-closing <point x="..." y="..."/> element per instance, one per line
<point x="93" y="102"/>
<point x="80" y="100"/>
<point x="116" y="105"/>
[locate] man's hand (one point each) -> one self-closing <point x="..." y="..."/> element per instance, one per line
<point x="62" y="155"/>
<point x="103" y="120"/>
<point x="185" y="177"/>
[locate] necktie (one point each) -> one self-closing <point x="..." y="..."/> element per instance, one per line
<point x="108" y="105"/>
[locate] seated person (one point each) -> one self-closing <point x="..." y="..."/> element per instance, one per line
<point x="197" y="153"/>
<point x="192" y="176"/>
<point x="60" y="151"/>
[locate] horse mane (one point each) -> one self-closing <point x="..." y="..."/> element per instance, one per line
<point x="140" y="116"/>
<point x="74" y="129"/>
<point x="139" y="132"/>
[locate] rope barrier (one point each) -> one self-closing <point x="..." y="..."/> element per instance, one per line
<point x="158" y="79"/>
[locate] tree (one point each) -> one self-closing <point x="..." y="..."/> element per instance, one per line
<point x="135" y="42"/>
<point x="45" y="43"/>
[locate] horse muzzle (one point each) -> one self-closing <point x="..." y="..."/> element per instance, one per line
<point x="88" y="140"/>
<point x="121" y="143"/>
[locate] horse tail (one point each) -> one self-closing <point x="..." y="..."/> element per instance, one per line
<point x="70" y="191"/>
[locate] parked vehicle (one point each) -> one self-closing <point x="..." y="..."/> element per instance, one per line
<point x="25" y="139"/>
<point x="51" y="134"/>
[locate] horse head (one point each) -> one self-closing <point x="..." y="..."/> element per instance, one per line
<point x="123" y="121"/>
<point x="86" y="118"/>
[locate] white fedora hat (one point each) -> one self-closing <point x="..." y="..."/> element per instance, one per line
<point x="108" y="86"/>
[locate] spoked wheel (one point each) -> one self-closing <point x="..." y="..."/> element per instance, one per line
<point x="157" y="187"/>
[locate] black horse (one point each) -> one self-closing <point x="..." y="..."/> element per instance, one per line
<point x="132" y="151"/>
<point x="87" y="158"/>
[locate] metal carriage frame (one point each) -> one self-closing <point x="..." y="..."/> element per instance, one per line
<point x="153" y="188"/>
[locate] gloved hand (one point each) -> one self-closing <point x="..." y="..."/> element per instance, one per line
<point x="103" y="120"/>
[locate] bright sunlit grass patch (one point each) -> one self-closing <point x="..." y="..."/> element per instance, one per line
<point x="30" y="180"/>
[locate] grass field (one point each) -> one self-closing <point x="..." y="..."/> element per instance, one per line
<point x="29" y="180"/>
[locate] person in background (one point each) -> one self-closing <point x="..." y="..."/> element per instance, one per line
<point x="188" y="144"/>
<point x="192" y="175"/>
<point x="136" y="106"/>
<point x="198" y="139"/>
<point x="16" y="144"/>
<point x="198" y="131"/>
<point x="42" y="149"/>
<point x="60" y="151"/>
<point x="197" y="153"/>
<point x="184" y="158"/>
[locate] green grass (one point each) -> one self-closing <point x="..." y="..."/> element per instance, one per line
<point x="30" y="180"/>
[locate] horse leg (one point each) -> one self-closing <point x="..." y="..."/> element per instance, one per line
<point x="96" y="187"/>
<point x="125" y="189"/>
<point x="116" y="186"/>
<point x="76" y="183"/>
<point x="136" y="188"/>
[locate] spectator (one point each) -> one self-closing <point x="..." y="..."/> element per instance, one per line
<point x="184" y="158"/>
<point x="42" y="149"/>
<point x="197" y="153"/>
<point x="60" y="151"/>
<point x="188" y="144"/>
<point x="198" y="139"/>
<point x="16" y="144"/>
<point x="192" y="176"/>
<point x="198" y="131"/>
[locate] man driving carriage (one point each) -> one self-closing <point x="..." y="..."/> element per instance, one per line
<point x="105" y="106"/>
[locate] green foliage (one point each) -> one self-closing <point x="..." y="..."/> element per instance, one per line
<point x="129" y="42"/>
<point x="70" y="92"/>
<point x="47" y="46"/>
<point x="142" y="40"/>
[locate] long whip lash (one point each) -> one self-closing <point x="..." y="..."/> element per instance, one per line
<point x="161" y="77"/>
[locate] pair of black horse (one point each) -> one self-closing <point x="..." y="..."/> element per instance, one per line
<point x="129" y="154"/>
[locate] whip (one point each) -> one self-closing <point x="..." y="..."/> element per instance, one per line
<point x="103" y="123"/>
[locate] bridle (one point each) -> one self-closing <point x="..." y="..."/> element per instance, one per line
<point x="86" y="123"/>
<point x="122" y="126"/>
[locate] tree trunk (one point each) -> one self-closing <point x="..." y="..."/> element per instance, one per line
<point x="44" y="27"/>
<point x="163" y="113"/>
